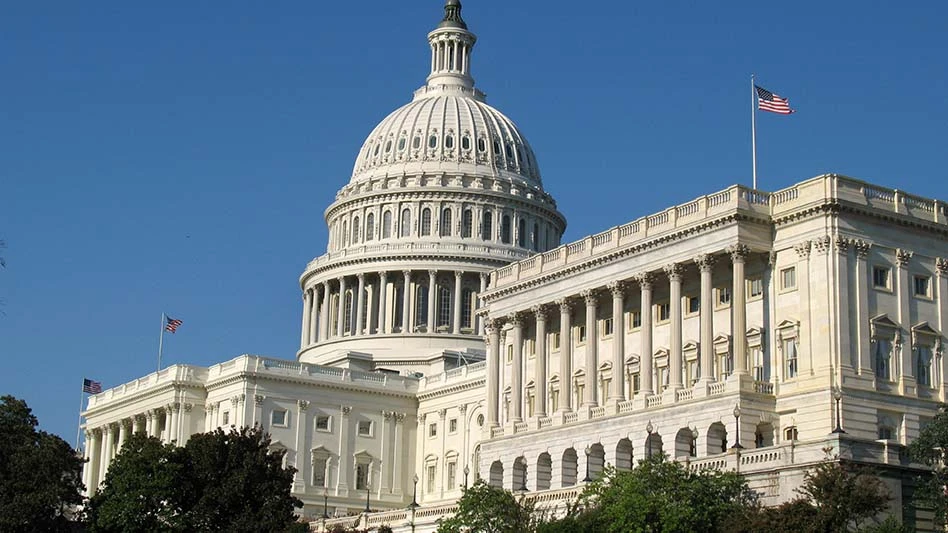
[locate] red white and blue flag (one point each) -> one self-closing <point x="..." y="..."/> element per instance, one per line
<point x="768" y="101"/>
<point x="172" y="325"/>
<point x="91" y="387"/>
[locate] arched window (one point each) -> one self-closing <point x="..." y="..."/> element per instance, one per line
<point x="505" y="229"/>
<point x="416" y="143"/>
<point x="388" y="146"/>
<point x="488" y="227"/>
<point x="421" y="305"/>
<point x="449" y="142"/>
<point x="386" y="224"/>
<point x="536" y="237"/>
<point x="404" y="226"/>
<point x="465" y="143"/>
<point x="425" y="222"/>
<point x="345" y="232"/>
<point x="444" y="306"/>
<point x="370" y="227"/>
<point x="366" y="297"/>
<point x="355" y="230"/>
<point x="467" y="223"/>
<point x="445" y="229"/>
<point x="522" y="233"/>
<point x="433" y="141"/>
<point x="467" y="305"/>
<point x="401" y="144"/>
<point x="481" y="145"/>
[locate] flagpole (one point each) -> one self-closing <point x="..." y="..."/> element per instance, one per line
<point x="79" y="427"/>
<point x="161" y="338"/>
<point x="754" y="130"/>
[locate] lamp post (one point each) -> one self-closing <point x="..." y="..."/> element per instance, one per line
<point x="414" y="501"/>
<point x="694" y="441"/>
<point x="648" y="440"/>
<point x="838" y="396"/>
<point x="588" y="451"/>
<point x="737" y="428"/>
<point x="325" y="507"/>
<point x="467" y="471"/>
<point x="368" y="492"/>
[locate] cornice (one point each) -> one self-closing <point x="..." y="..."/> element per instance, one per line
<point x="143" y="395"/>
<point x="249" y="376"/>
<point x="479" y="264"/>
<point x="454" y="388"/>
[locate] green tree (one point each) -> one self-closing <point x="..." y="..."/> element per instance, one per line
<point x="217" y="482"/>
<point x="486" y="509"/>
<point x="931" y="450"/>
<point x="660" y="496"/>
<point x="40" y="474"/>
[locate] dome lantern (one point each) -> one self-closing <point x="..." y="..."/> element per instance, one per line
<point x="451" y="45"/>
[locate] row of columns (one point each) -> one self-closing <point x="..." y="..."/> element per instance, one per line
<point x="316" y="326"/>
<point x="103" y="443"/>
<point x="449" y="55"/>
<point x="645" y="281"/>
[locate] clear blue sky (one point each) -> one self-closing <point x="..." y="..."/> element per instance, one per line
<point x="178" y="157"/>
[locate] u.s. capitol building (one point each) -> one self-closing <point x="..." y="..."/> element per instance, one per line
<point x="448" y="335"/>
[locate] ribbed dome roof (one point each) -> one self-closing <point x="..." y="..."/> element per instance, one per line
<point x="445" y="132"/>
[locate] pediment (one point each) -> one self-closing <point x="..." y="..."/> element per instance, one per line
<point x="722" y="339"/>
<point x="690" y="346"/>
<point x="924" y="329"/>
<point x="883" y="326"/>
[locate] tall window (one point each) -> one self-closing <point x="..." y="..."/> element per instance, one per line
<point x="425" y="222"/>
<point x="923" y="372"/>
<point x="386" y="224"/>
<point x="432" y="471"/>
<point x="757" y="356"/>
<point x="421" y="305"/>
<point x="467" y="302"/>
<point x="355" y="230"/>
<point x="467" y="223"/>
<point x="404" y="226"/>
<point x="365" y="315"/>
<point x="362" y="476"/>
<point x="505" y="229"/>
<point x="536" y="237"/>
<point x="488" y="227"/>
<point x="883" y="359"/>
<point x="370" y="227"/>
<point x="397" y="305"/>
<point x="347" y="315"/>
<point x="444" y="306"/>
<point x="790" y="358"/>
<point x="522" y="233"/>
<point x="345" y="232"/>
<point x="445" y="229"/>
<point x="319" y="471"/>
<point x="452" y="474"/>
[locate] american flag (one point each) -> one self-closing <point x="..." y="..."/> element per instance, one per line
<point x="172" y="324"/>
<point x="92" y="387"/>
<point x="768" y="101"/>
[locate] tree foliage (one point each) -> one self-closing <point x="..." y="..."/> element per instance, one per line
<point x="217" y="482"/>
<point x="931" y="450"/>
<point x="486" y="509"/>
<point x="40" y="474"/>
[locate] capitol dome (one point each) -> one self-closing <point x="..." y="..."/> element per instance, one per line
<point x="443" y="191"/>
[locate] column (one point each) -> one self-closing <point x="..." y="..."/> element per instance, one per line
<point x="360" y="306"/>
<point x="566" y="355"/>
<point x="458" y="278"/>
<point x="106" y="452"/>
<point x="341" y="312"/>
<point x="592" y="355"/>
<point x="493" y="372"/>
<point x="300" y="459"/>
<point x="432" y="298"/>
<point x="345" y="454"/>
<point x="304" y="329"/>
<point x="739" y="309"/>
<point x="87" y="467"/>
<point x="645" y="358"/>
<point x="406" y="299"/>
<point x="705" y="264"/>
<point x="314" y="316"/>
<point x="480" y="320"/>
<point x="516" y="381"/>
<point x="540" y="360"/>
<point x="95" y="462"/>
<point x="903" y="289"/>
<point x="674" y="272"/>
<point x="863" y="280"/>
<point x="124" y="425"/>
<point x="383" y="301"/>
<point x="617" y="288"/>
<point x="324" y="314"/>
<point x="844" y="333"/>
<point x="172" y="434"/>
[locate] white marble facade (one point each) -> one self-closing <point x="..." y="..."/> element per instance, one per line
<point x="446" y="335"/>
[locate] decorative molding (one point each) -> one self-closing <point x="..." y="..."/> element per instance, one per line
<point x="462" y="408"/>
<point x="346" y="409"/>
<point x="738" y="252"/>
<point x="387" y="415"/>
<point x="541" y="312"/>
<point x="842" y="244"/>
<point x="258" y="399"/>
<point x="822" y="244"/>
<point x="862" y="248"/>
<point x="903" y="257"/>
<point x="302" y="404"/>
<point x="705" y="262"/>
<point x="802" y="249"/>
<point x="188" y="407"/>
<point x="616" y="288"/>
<point x="590" y="297"/>
<point x="772" y="258"/>
<point x="941" y="265"/>
<point x="515" y="319"/>
<point x="443" y="413"/>
<point x="645" y="280"/>
<point x="674" y="271"/>
<point x="565" y="305"/>
<point x="399" y="418"/>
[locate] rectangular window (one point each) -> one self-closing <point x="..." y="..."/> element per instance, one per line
<point x="433" y="429"/>
<point x="607" y="327"/>
<point x="432" y="477"/>
<point x="755" y="287"/>
<point x="923" y="286"/>
<point x="725" y="365"/>
<point x="225" y="418"/>
<point x="278" y="418"/>
<point x="788" y="278"/>
<point x="923" y="362"/>
<point x="554" y="400"/>
<point x="790" y="356"/>
<point x="885" y="433"/>
<point x="365" y="428"/>
<point x="692" y="372"/>
<point x="555" y="341"/>
<point x="322" y="423"/>
<point x="452" y="474"/>
<point x="724" y="296"/>
<point x="453" y="425"/>
<point x="663" y="377"/>
<point x="531" y="403"/>
<point x="636" y="383"/>
<point x="694" y="305"/>
<point x="883" y="354"/>
<point x="531" y="348"/>
<point x="635" y="320"/>
<point x="509" y="354"/>
<point x="580" y="334"/>
<point x="757" y="356"/>
<point x="319" y="472"/>
<point x="881" y="277"/>
<point x="662" y="312"/>
<point x="362" y="476"/>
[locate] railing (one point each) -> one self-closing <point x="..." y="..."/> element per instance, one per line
<point x="784" y="196"/>
<point x="653" y="400"/>
<point x="684" y="394"/>
<point x="520" y="427"/>
<point x="597" y="412"/>
<point x="764" y="387"/>
<point x="569" y="418"/>
<point x="440" y="247"/>
<point x="625" y="407"/>
<point x="716" y="388"/>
